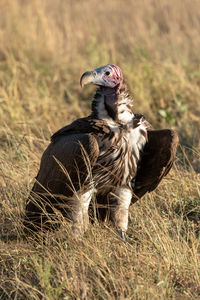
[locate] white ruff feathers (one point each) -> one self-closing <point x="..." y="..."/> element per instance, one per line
<point x="128" y="140"/>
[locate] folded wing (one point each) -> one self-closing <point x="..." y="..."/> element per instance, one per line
<point x="65" y="168"/>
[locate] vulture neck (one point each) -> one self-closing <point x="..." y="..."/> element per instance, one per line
<point x="113" y="106"/>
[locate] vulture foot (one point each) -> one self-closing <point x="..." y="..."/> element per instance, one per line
<point x="122" y="235"/>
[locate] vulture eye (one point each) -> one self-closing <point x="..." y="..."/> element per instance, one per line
<point x="107" y="73"/>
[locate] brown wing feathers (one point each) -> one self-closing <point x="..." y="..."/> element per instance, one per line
<point x="156" y="161"/>
<point x="63" y="169"/>
<point x="65" y="153"/>
<point x="84" y="125"/>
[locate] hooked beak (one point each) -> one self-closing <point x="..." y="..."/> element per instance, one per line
<point x="87" y="78"/>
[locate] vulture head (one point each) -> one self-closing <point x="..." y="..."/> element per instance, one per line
<point x="109" y="76"/>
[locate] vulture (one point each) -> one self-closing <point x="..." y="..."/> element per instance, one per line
<point x="110" y="158"/>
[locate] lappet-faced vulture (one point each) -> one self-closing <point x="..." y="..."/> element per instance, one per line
<point x="112" y="154"/>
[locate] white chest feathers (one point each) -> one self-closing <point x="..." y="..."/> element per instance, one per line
<point x="119" y="155"/>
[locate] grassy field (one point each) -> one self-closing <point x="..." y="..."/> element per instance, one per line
<point x="45" y="46"/>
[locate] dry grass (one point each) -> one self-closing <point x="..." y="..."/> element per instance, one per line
<point x="44" y="48"/>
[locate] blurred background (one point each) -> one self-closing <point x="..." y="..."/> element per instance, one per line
<point x="45" y="46"/>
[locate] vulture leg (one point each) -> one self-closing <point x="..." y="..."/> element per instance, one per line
<point x="114" y="207"/>
<point x="119" y="203"/>
<point x="79" y="211"/>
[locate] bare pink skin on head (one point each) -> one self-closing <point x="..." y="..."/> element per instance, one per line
<point x="117" y="76"/>
<point x="111" y="76"/>
<point x="105" y="76"/>
<point x="113" y="80"/>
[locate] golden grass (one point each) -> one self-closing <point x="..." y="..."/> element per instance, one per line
<point x="44" y="48"/>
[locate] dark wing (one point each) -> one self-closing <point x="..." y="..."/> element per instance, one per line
<point x="84" y="125"/>
<point x="65" y="168"/>
<point x="156" y="161"/>
<point x="81" y="125"/>
<point x="71" y="155"/>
